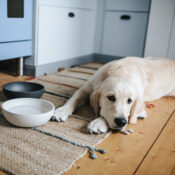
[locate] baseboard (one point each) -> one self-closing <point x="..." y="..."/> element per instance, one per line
<point x="29" y="70"/>
<point x="102" y="58"/>
<point x="53" y="67"/>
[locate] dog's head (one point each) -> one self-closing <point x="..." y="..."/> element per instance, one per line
<point x="115" y="100"/>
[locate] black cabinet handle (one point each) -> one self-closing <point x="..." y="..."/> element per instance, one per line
<point x="71" y="14"/>
<point x="125" y="17"/>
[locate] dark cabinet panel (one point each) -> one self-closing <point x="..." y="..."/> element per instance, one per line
<point x="15" y="8"/>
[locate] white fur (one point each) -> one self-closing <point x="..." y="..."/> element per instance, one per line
<point x="98" y="126"/>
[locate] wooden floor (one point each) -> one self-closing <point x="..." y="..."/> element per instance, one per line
<point x="150" y="150"/>
<point x="5" y="78"/>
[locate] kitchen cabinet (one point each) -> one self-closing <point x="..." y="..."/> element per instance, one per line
<point x="64" y="33"/>
<point x="125" y="25"/>
<point x="70" y="32"/>
<point x="16" y="28"/>
<point x="64" y="30"/>
<point x="124" y="33"/>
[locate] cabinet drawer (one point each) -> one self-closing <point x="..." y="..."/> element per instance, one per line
<point x="15" y="49"/>
<point x="124" y="37"/>
<point x="64" y="33"/>
<point x="90" y="4"/>
<point x="128" y="5"/>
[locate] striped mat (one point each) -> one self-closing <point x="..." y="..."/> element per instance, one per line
<point x="27" y="152"/>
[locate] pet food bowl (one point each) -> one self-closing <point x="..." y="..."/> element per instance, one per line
<point x="22" y="89"/>
<point x="27" y="112"/>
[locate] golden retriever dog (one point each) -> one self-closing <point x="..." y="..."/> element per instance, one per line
<point x="118" y="91"/>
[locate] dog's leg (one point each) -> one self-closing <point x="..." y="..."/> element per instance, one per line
<point x="142" y="114"/>
<point x="98" y="126"/>
<point x="79" y="97"/>
<point x="137" y="111"/>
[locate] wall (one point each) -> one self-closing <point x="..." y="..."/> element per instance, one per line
<point x="171" y="49"/>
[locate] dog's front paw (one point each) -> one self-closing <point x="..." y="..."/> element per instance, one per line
<point x="98" y="126"/>
<point x="61" y="114"/>
<point x="133" y="121"/>
<point x="142" y="115"/>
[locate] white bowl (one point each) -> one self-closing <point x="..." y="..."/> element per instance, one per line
<point x="27" y="112"/>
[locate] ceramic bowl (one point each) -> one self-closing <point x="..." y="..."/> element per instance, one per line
<point x="22" y="89"/>
<point x="27" y="112"/>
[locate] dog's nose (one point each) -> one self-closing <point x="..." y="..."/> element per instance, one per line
<point x="120" y="121"/>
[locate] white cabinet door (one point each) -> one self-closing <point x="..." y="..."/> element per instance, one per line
<point x="64" y="33"/>
<point x="124" y="33"/>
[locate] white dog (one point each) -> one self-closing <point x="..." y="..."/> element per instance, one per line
<point x="119" y="89"/>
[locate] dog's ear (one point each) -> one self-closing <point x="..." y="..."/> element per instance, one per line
<point x="136" y="109"/>
<point x="94" y="101"/>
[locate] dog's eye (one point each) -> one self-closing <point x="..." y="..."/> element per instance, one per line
<point x="129" y="101"/>
<point x="111" y="98"/>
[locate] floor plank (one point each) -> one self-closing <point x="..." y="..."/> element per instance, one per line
<point x="126" y="152"/>
<point x="161" y="158"/>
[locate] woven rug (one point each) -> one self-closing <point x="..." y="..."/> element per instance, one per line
<point x="24" y="151"/>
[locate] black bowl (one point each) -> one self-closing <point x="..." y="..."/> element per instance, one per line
<point x="22" y="90"/>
